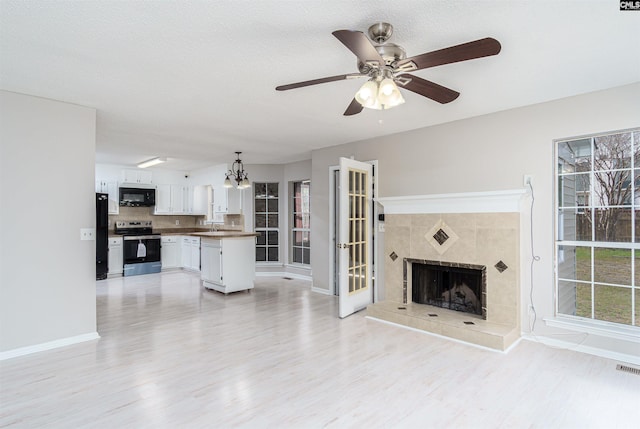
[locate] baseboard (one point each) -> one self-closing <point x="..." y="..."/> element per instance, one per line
<point x="22" y="351"/>
<point x="322" y="291"/>
<point x="608" y="354"/>
<point x="281" y="274"/>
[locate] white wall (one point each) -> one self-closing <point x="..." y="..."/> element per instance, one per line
<point x="47" y="275"/>
<point x="485" y="153"/>
<point x="213" y="175"/>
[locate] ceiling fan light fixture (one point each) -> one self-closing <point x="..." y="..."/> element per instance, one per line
<point x="379" y="93"/>
<point x="389" y="95"/>
<point x="367" y="93"/>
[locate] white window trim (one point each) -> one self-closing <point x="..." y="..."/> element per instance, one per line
<point x="578" y="323"/>
<point x="267" y="229"/>
<point x="292" y="246"/>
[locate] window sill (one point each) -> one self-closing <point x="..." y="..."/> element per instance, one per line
<point x="595" y="327"/>
<point x="269" y="264"/>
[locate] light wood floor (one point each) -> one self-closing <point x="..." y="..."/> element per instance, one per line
<point x="173" y="355"/>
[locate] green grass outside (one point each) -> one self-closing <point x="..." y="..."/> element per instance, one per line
<point x="612" y="303"/>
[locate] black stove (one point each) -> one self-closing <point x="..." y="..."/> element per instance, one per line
<point x="141" y="247"/>
<point x="134" y="227"/>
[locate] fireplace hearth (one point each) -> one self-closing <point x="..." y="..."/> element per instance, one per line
<point x="453" y="286"/>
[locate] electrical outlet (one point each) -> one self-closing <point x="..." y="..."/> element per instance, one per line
<point x="177" y="222"/>
<point x="87" y="234"/>
<point x="527" y="180"/>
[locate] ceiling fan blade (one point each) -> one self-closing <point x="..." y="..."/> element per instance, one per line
<point x="353" y="109"/>
<point x="360" y="45"/>
<point x="318" y="81"/>
<point x="429" y="89"/>
<point x="453" y="54"/>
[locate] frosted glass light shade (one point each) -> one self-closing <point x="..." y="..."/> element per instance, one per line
<point x="389" y="95"/>
<point x="367" y="94"/>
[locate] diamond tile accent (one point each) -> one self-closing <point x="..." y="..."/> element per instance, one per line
<point x="440" y="236"/>
<point x="393" y="256"/>
<point x="501" y="266"/>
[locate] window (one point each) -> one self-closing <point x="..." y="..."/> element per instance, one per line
<point x="598" y="227"/>
<point x="300" y="224"/>
<point x="210" y="204"/>
<point x="265" y="204"/>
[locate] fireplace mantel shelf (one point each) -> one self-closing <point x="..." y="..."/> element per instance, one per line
<point x="506" y="201"/>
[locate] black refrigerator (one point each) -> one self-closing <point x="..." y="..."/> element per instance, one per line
<point x="102" y="236"/>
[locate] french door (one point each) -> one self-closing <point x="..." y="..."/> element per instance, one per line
<point x="354" y="237"/>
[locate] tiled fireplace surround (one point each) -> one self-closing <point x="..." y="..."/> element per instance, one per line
<point x="485" y="231"/>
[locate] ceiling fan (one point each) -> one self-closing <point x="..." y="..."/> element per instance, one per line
<point x="386" y="65"/>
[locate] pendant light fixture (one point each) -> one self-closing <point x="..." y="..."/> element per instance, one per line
<point x="238" y="174"/>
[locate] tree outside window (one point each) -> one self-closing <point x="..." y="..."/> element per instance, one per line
<point x="598" y="227"/>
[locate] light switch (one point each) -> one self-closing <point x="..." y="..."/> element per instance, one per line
<point x="87" y="233"/>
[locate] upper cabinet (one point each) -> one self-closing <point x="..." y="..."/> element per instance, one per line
<point x="220" y="199"/>
<point x="227" y="200"/>
<point x="198" y="200"/>
<point x="169" y="200"/>
<point x="234" y="201"/>
<point x="143" y="177"/>
<point x="163" y="200"/>
<point x="181" y="199"/>
<point x="110" y="188"/>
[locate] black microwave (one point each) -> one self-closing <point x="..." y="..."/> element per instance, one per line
<point x="137" y="197"/>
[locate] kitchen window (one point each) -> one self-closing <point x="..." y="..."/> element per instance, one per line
<point x="266" y="213"/>
<point x="300" y="222"/>
<point x="598" y="228"/>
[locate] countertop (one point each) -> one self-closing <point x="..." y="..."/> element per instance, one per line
<point x="224" y="234"/>
<point x="199" y="232"/>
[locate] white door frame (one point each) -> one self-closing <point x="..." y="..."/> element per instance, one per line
<point x="332" y="230"/>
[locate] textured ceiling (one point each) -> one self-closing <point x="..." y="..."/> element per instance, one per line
<point x="194" y="80"/>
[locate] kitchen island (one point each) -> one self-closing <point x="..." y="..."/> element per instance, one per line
<point x="227" y="260"/>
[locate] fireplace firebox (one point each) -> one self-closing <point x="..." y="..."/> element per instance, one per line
<point x="454" y="286"/>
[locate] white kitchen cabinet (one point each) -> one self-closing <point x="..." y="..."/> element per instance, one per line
<point x="163" y="200"/>
<point x="197" y="200"/>
<point x="172" y="200"/>
<point x="220" y="199"/>
<point x="211" y="254"/>
<point x="111" y="188"/>
<point x="195" y="253"/>
<point x="116" y="260"/>
<point x="190" y="249"/>
<point x="234" y="201"/>
<point x="142" y="177"/>
<point x="178" y="205"/>
<point x="170" y="252"/>
<point x="185" y="252"/>
<point x="228" y="264"/>
<point x="226" y="201"/>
